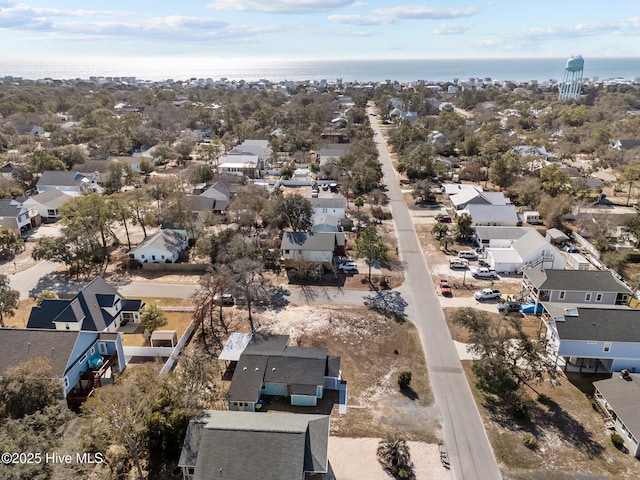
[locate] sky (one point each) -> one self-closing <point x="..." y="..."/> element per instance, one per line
<point x="319" y="29"/>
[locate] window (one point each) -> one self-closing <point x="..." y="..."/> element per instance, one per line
<point x="607" y="347"/>
<point x="562" y="295"/>
<point x="192" y="470"/>
<point x="162" y="257"/>
<point x="83" y="358"/>
<point x="598" y="297"/>
<point x="153" y="257"/>
<point x="93" y="350"/>
<point x="324" y="210"/>
<point x="141" y="256"/>
<point x="286" y="252"/>
<point x="587" y="297"/>
<point x="66" y="382"/>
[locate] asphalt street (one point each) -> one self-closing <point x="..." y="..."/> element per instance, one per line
<point x="464" y="436"/>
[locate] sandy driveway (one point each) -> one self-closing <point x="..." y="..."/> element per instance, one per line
<point x="355" y="459"/>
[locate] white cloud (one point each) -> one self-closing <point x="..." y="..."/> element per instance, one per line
<point x="451" y="29"/>
<point x="424" y="12"/>
<point x="281" y="6"/>
<point x="359" y="19"/>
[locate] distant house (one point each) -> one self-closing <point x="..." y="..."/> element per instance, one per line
<point x="240" y="165"/>
<point x="269" y="366"/>
<point x="312" y="247"/>
<point x="220" y="193"/>
<point x="32" y="130"/>
<point x="335" y="205"/>
<point x="94" y="169"/>
<point x="47" y="204"/>
<point x="80" y="361"/>
<point x="472" y="196"/>
<point x="528" y="250"/>
<point x="624" y="145"/>
<point x="331" y="153"/>
<point x="13" y="216"/>
<point x="619" y="398"/>
<point x="98" y="307"/>
<point x="71" y="183"/>
<point x="255" y="445"/>
<point x="6" y="171"/>
<point x="164" y="246"/>
<point x="491" y="215"/>
<point x="259" y="148"/>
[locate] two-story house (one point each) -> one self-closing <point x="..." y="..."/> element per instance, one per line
<point x="575" y="287"/>
<point x="80" y="361"/>
<point x="71" y="183"/>
<point x="335" y="205"/>
<point x="588" y="321"/>
<point x="98" y="307"/>
<point x="13" y="216"/>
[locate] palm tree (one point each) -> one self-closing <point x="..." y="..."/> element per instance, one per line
<point x="393" y="453"/>
<point x="446" y="242"/>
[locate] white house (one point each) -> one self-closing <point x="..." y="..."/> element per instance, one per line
<point x="14" y="216"/>
<point x="530" y="249"/>
<point x="619" y="398"/>
<point x="311" y="247"/>
<point x="47" y="204"/>
<point x="240" y="165"/>
<point x="71" y="183"/>
<point x="162" y="247"/>
<point x="491" y="215"/>
<point x="335" y="205"/>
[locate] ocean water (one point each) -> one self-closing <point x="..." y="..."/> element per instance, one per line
<point x="430" y="70"/>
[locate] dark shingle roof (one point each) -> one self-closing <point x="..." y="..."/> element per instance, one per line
<point x="249" y="445"/>
<point x="60" y="178"/>
<point x="88" y="306"/>
<point x="19" y="345"/>
<point x="320" y="241"/>
<point x="624" y="398"/>
<point x="601" y="325"/>
<point x="576" y="280"/>
<point x="268" y="358"/>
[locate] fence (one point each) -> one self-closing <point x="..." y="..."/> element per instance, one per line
<point x="586" y="244"/>
<point x="178" y="348"/>
<point x="175" y="267"/>
<point x="147" y="351"/>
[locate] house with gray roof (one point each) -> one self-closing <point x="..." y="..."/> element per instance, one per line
<point x="491" y="215"/>
<point x="164" y="246"/>
<point x="619" y="398"/>
<point x="312" y="247"/>
<point x="220" y="193"/>
<point x="13" y="216"/>
<point x="593" y="287"/>
<point x="47" y="204"/>
<point x="251" y="445"/>
<point x="98" y="307"/>
<point x="592" y="339"/>
<point x="326" y="223"/>
<point x="529" y="249"/>
<point x="331" y="153"/>
<point x="71" y="183"/>
<point x="269" y="366"/>
<point x="80" y="361"/>
<point x="335" y="205"/>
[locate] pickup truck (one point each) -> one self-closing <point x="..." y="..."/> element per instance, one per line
<point x="445" y="288"/>
<point x="484" y="272"/>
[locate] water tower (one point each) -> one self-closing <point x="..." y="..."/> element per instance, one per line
<point x="572" y="79"/>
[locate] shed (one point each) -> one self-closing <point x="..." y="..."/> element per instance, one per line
<point x="578" y="262"/>
<point x="532" y="217"/>
<point x="164" y="338"/>
<point x="556" y="237"/>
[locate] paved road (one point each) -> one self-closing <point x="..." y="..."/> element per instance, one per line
<point x="465" y="438"/>
<point x="297" y="295"/>
<point x="35" y="279"/>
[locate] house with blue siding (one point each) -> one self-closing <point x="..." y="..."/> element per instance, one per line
<point x="592" y="339"/>
<point x="268" y="365"/>
<point x="80" y="361"/>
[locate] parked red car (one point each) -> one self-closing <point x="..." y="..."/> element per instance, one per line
<point x="445" y="288"/>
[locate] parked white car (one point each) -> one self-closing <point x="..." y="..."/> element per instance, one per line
<point x="468" y="254"/>
<point x="484" y="272"/>
<point x="487" y="294"/>
<point x="348" y="267"/>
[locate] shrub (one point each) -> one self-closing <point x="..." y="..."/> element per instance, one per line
<point x="617" y="441"/>
<point x="404" y="379"/>
<point x="520" y="408"/>
<point x="529" y="440"/>
<point x="542" y="398"/>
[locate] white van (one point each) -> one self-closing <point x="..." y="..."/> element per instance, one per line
<point x="468" y="254"/>
<point x="458" y="263"/>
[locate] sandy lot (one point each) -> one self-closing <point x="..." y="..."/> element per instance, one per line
<point x="355" y="459"/>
